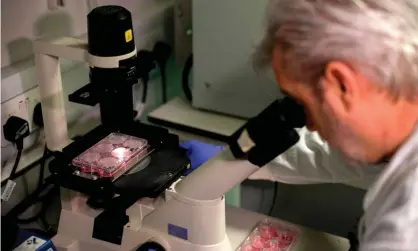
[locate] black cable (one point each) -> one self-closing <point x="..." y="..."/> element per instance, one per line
<point x="25" y="185"/>
<point x="163" y="83"/>
<point x="16" y="164"/>
<point x="33" y="198"/>
<point x="48" y="228"/>
<point x="32" y="218"/>
<point x="36" y="196"/>
<point x="46" y="199"/>
<point x="273" y="203"/>
<point x="145" y="64"/>
<point x="42" y="167"/>
<point x="46" y="203"/>
<point x="26" y="169"/>
<point x="161" y="53"/>
<point x="185" y="77"/>
<point x="15" y="130"/>
<point x="145" y="80"/>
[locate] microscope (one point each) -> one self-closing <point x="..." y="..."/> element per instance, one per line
<point x="122" y="183"/>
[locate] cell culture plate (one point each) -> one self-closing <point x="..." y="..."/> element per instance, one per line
<point x="114" y="153"/>
<point x="270" y="236"/>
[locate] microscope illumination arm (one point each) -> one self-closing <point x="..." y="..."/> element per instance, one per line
<point x="47" y="56"/>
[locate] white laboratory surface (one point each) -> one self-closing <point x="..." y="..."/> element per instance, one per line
<point x="183" y="119"/>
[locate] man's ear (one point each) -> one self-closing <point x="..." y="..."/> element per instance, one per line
<point x="339" y="84"/>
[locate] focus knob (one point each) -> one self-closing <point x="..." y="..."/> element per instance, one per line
<point x="151" y="246"/>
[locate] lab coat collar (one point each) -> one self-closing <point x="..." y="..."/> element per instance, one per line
<point x="411" y="144"/>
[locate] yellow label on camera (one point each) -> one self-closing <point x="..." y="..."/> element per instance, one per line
<point x="128" y="35"/>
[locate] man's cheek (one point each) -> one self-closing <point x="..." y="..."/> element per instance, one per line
<point x="309" y="124"/>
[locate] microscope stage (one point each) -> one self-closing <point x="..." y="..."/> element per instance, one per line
<point x="147" y="159"/>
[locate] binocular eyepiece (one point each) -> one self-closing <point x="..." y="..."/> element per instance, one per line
<point x="270" y="133"/>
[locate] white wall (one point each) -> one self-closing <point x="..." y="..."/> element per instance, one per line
<point x="23" y="20"/>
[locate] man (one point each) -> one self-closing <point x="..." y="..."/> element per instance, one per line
<point x="353" y="64"/>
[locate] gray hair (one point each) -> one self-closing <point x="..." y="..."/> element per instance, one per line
<point x="378" y="38"/>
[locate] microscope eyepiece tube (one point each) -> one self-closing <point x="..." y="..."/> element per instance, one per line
<point x="270" y="133"/>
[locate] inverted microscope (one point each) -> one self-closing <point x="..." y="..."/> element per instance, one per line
<point x="122" y="183"/>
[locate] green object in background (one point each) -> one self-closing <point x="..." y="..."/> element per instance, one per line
<point x="189" y="31"/>
<point x="233" y="197"/>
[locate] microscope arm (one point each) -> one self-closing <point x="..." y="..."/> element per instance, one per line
<point x="216" y="177"/>
<point x="258" y="142"/>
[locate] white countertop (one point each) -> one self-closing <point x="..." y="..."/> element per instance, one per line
<point x="179" y="112"/>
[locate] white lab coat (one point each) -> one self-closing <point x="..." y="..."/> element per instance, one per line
<point x="313" y="161"/>
<point x="390" y="222"/>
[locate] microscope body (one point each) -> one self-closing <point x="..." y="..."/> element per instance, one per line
<point x="112" y="58"/>
<point x="190" y="214"/>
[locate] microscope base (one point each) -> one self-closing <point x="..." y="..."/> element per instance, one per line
<point x="63" y="243"/>
<point x="133" y="238"/>
<point x="239" y="224"/>
<point x="172" y="221"/>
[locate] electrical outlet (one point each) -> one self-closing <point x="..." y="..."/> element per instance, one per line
<point x="20" y="106"/>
